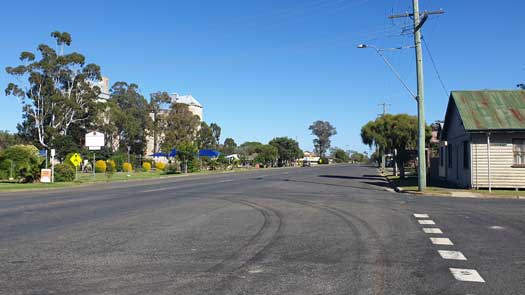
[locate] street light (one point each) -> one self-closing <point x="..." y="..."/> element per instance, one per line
<point x="421" y="143"/>
<point x="380" y="53"/>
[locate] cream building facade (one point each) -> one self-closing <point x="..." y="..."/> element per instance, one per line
<point x="194" y="106"/>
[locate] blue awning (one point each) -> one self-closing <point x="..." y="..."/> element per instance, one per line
<point x="173" y="153"/>
<point x="209" y="153"/>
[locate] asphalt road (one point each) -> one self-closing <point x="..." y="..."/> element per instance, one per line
<point x="318" y="230"/>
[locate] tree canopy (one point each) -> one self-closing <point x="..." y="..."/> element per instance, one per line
<point x="323" y="130"/>
<point x="340" y="156"/>
<point x="229" y="146"/>
<point x="129" y="114"/>
<point x="181" y="127"/>
<point x="56" y="90"/>
<point x="287" y="150"/>
<point x="393" y="132"/>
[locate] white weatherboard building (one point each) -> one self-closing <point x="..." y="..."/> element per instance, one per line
<point x="194" y="106"/>
<point x="483" y="139"/>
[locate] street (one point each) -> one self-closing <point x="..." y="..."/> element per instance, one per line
<point x="330" y="229"/>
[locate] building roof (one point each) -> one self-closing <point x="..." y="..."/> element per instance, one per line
<point x="185" y="99"/>
<point x="490" y="109"/>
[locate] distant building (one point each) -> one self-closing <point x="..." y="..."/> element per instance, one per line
<point x="194" y="106"/>
<point x="483" y="139"/>
<point x="104" y="88"/>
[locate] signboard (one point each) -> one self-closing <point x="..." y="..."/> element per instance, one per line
<point x="45" y="175"/>
<point x="94" y="140"/>
<point x="76" y="159"/>
<point x="43" y="153"/>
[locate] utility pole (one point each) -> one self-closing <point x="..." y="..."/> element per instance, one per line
<point x="383" y="156"/>
<point x="385" y="107"/>
<point x="419" y="19"/>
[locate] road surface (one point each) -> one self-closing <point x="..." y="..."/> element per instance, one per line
<point x="318" y="230"/>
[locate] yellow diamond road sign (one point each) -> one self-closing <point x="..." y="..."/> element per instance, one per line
<point x="76" y="159"/>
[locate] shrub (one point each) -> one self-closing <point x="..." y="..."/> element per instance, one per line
<point x="160" y="166"/>
<point x="194" y="165"/>
<point x="64" y="173"/>
<point x="119" y="159"/>
<point x="126" y="167"/>
<point x="172" y="169"/>
<point x="24" y="159"/>
<point x="324" y="161"/>
<point x="100" y="166"/>
<point x="111" y="166"/>
<point x="146" y="167"/>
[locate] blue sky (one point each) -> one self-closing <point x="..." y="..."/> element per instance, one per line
<point x="270" y="68"/>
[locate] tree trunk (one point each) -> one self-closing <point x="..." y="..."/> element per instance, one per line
<point x="401" y="169"/>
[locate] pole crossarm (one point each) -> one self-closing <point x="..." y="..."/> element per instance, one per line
<point x="422" y="14"/>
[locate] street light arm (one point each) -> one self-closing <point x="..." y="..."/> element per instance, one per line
<point x="394" y="71"/>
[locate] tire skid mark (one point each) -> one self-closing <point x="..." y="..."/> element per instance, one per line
<point x="347" y="216"/>
<point x="266" y="235"/>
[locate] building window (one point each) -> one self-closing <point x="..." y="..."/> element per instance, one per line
<point x="441" y="156"/>
<point x="518" y="146"/>
<point x="449" y="155"/>
<point x="466" y="155"/>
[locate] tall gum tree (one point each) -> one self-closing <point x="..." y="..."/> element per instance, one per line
<point x="323" y="130"/>
<point x="56" y="90"/>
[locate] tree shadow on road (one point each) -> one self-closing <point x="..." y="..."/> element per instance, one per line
<point x="364" y="177"/>
<point x="338" y="185"/>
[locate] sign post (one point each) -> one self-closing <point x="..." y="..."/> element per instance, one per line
<point x="94" y="141"/>
<point x="52" y="165"/>
<point x="76" y="159"/>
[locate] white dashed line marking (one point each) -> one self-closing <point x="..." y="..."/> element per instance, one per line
<point x="416" y="215"/>
<point x="496" y="227"/>
<point x="441" y="241"/>
<point x="466" y="275"/>
<point x="428" y="221"/>
<point x="429" y="230"/>
<point x="452" y="255"/>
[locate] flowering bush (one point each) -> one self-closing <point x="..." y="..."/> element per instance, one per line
<point x="160" y="166"/>
<point x="126" y="167"/>
<point x="146" y="167"/>
<point x="100" y="166"/>
<point x="111" y="165"/>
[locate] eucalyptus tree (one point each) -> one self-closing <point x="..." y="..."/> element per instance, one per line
<point x="205" y="138"/>
<point x="216" y="132"/>
<point x="56" y="90"/>
<point x="158" y="102"/>
<point x="323" y="130"/>
<point x="229" y="146"/>
<point x="131" y="116"/>
<point x="181" y="127"/>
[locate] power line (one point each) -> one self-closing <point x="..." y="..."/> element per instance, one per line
<point x="435" y="67"/>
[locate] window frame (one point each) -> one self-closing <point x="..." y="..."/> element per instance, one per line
<point x="518" y="153"/>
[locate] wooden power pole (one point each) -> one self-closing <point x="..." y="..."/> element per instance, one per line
<point x="419" y="19"/>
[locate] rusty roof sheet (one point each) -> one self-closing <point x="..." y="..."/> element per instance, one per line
<point x="491" y="109"/>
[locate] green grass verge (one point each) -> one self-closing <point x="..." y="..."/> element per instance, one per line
<point x="88" y="178"/>
<point x="410" y="184"/>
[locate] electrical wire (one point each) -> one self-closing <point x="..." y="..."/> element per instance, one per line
<point x="435" y="67"/>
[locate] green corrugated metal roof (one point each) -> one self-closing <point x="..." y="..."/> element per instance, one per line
<point x="491" y="109"/>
